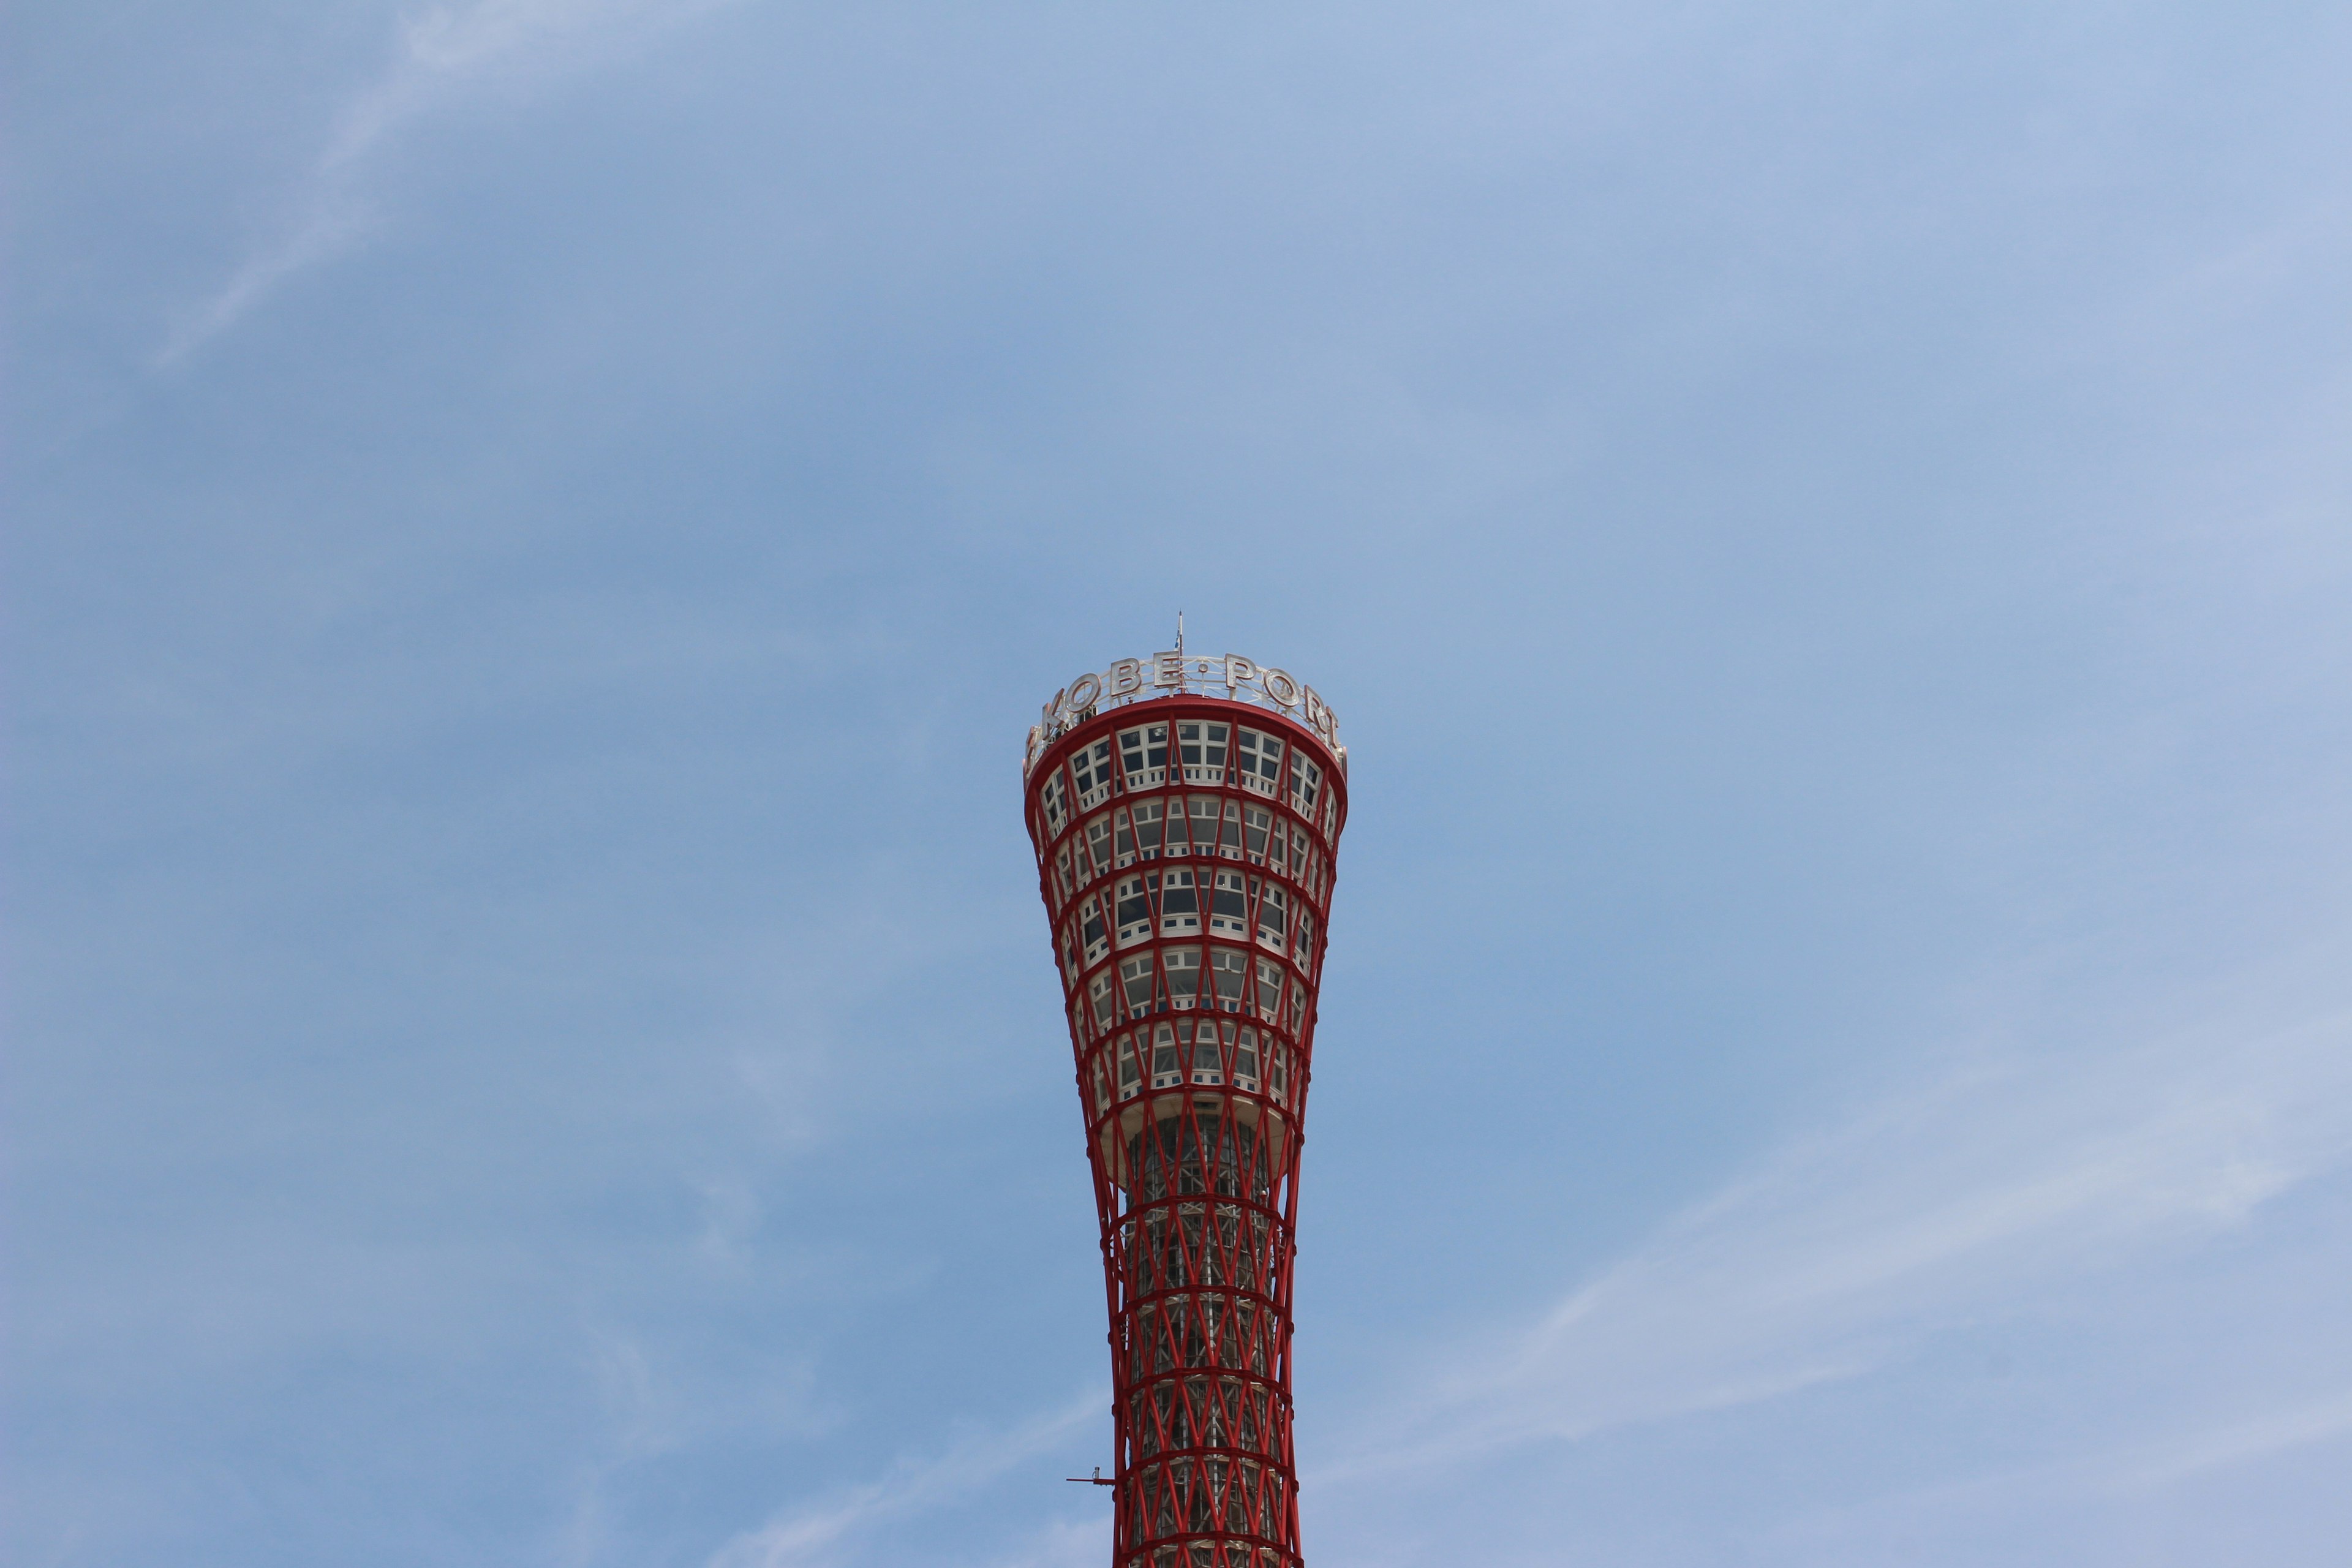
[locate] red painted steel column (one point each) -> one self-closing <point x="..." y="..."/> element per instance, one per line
<point x="1189" y="971"/>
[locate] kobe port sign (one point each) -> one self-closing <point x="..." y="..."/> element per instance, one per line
<point x="1172" y="674"/>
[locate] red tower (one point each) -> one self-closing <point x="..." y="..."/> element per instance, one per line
<point x="1186" y="812"/>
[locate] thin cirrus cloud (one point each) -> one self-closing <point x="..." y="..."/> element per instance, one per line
<point x="446" y="51"/>
<point x="823" y="1532"/>
<point x="2007" y="1182"/>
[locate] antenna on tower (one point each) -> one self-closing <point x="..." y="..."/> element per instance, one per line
<point x="1180" y="633"/>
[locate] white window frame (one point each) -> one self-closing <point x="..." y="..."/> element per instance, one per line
<point x="1142" y="776"/>
<point x="1245" y="1048"/>
<point x="1090" y="773"/>
<point x="1202" y="734"/>
<point x="1229" y="925"/>
<point x="1143" y="966"/>
<point x="1173" y="922"/>
<point x="1256" y="750"/>
<point x="1233" y="961"/>
<point x="1170" y="1075"/>
<point x="1182" y="960"/>
<point x="1098" y="947"/>
<point x="1273" y="896"/>
<point x="1128" y="933"/>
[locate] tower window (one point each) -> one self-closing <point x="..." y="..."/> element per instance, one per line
<point x="1273" y="916"/>
<point x="1135" y="977"/>
<point x="1245" y="1060"/>
<point x="1134" y="911"/>
<point x="1203" y="748"/>
<point x="1097" y="849"/>
<point x="1209" y="1051"/>
<point x="1090" y="771"/>
<point x="1269" y="989"/>
<point x="1131" y="1076"/>
<point x="1098" y="991"/>
<point x="1092" y="931"/>
<point x="1256" y="820"/>
<point x="1229" y="842"/>
<point x="1261" y="760"/>
<point x="1180" y="904"/>
<point x="1306" y="783"/>
<point x="1183" y="965"/>
<point x="1176" y="845"/>
<point x="1062" y="882"/>
<point x="1146" y="827"/>
<point x="1057" y="804"/>
<point x="1229" y="971"/>
<point x="1229" y="912"/>
<point x="1167" y="1068"/>
<point x="1204" y="824"/>
<point x="1143" y="755"/>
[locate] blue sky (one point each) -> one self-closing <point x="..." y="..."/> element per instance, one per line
<point x="537" y="529"/>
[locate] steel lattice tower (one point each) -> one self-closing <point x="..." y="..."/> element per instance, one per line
<point x="1185" y="812"/>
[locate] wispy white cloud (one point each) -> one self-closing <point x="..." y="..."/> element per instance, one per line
<point x="2239" y="1443"/>
<point x="812" y="1534"/>
<point x="2002" y="1184"/>
<point x="444" y="50"/>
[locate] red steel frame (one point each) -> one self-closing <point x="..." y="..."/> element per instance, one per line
<point x="1192" y="1074"/>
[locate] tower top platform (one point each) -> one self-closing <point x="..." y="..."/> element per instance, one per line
<point x="1177" y="674"/>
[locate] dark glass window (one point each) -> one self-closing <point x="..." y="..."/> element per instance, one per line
<point x="1057" y="804"/>
<point x="1269" y="989"/>
<point x="1143" y="755"/>
<point x="1090" y="771"/>
<point x="1203" y="748"/>
<point x="1180" y="904"/>
<point x="1204" y="824"/>
<point x="1273" y="916"/>
<point x="1131" y="1076"/>
<point x="1306" y="783"/>
<point x="1245" y="1059"/>
<point x="1135" y="977"/>
<point x="1167" y="1068"/>
<point x="1257" y="820"/>
<point x="1229" y="913"/>
<point x="1176" y="846"/>
<point x="1146" y="815"/>
<point x="1184" y="967"/>
<point x="1134" y="911"/>
<point x="1229" y="973"/>
<point x="1261" y="760"/>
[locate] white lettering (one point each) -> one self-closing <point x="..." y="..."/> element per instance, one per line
<point x="1243" y="680"/>
<point x="1325" y="722"/>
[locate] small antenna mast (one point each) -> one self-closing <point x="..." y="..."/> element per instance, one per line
<point x="1180" y="633"/>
